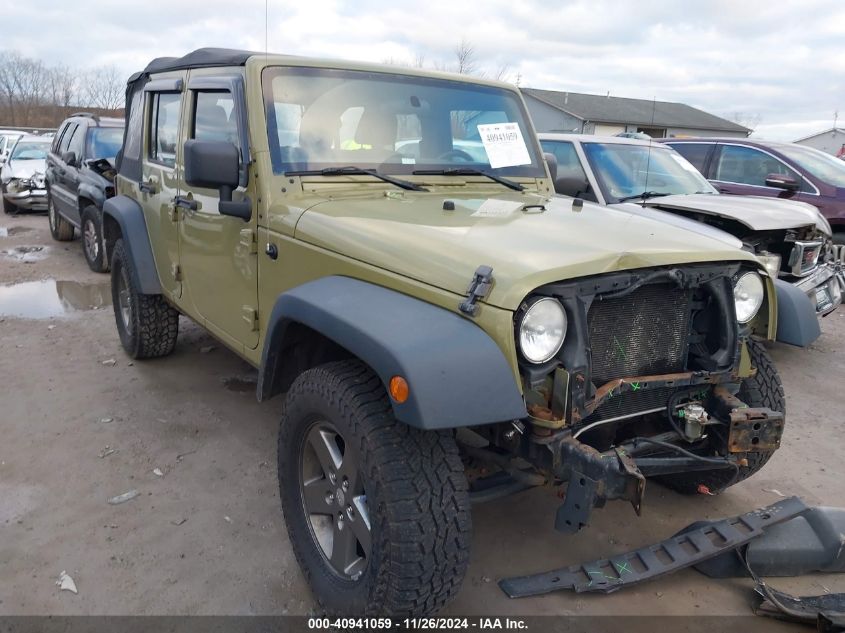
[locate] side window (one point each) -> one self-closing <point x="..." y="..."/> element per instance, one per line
<point x="65" y="140"/>
<point x="56" y="139"/>
<point x="695" y="153"/>
<point x="132" y="146"/>
<point x="748" y="166"/>
<point x="568" y="163"/>
<point x="164" y="127"/>
<point x="214" y="117"/>
<point x="76" y="142"/>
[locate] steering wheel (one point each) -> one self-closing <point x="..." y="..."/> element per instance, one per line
<point x="456" y="153"/>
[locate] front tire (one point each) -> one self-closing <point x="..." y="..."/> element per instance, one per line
<point x="92" y="239"/>
<point x="148" y="326"/>
<point x="60" y="229"/>
<point x="764" y="389"/>
<point x="377" y="512"/>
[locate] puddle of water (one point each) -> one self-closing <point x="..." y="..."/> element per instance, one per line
<point x="13" y="230"/>
<point x="240" y="385"/>
<point x="51" y="298"/>
<point x="27" y="253"/>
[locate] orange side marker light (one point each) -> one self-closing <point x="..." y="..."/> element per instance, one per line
<point x="399" y="389"/>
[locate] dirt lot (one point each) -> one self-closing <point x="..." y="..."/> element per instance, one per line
<point x="208" y="537"/>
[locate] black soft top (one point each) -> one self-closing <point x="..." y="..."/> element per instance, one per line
<point x="200" y="58"/>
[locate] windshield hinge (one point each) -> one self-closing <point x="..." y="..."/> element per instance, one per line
<point x="478" y="289"/>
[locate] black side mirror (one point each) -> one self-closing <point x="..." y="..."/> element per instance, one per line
<point x="69" y="158"/>
<point x="572" y="187"/>
<point x="782" y="181"/>
<point x="551" y="161"/>
<point x="215" y="165"/>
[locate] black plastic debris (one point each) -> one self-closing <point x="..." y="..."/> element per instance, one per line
<point x="691" y="547"/>
<point x="811" y="542"/>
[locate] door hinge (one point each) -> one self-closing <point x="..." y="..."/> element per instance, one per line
<point x="250" y="315"/>
<point x="176" y="271"/>
<point x="248" y="240"/>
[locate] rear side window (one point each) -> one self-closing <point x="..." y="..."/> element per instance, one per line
<point x="568" y="163"/>
<point x="695" y="153"/>
<point x="65" y="139"/>
<point x="58" y="138"/>
<point x="76" y="143"/>
<point x="164" y="127"/>
<point x="132" y="146"/>
<point x="748" y="166"/>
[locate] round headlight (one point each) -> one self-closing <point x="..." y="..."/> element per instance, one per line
<point x="748" y="296"/>
<point x="542" y="330"/>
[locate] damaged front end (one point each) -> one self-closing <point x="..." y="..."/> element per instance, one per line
<point x="645" y="384"/>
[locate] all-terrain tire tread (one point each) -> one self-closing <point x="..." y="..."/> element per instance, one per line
<point x="156" y="322"/>
<point x="418" y="477"/>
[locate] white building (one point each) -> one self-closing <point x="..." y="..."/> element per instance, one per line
<point x="831" y="141"/>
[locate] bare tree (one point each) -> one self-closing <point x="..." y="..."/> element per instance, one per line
<point x="467" y="64"/>
<point x="747" y="119"/>
<point x="22" y="86"/>
<point x="104" y="88"/>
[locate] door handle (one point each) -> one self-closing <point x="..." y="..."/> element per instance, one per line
<point x="186" y="203"/>
<point x="148" y="186"/>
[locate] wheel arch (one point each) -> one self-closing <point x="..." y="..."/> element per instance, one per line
<point x="123" y="219"/>
<point x="457" y="375"/>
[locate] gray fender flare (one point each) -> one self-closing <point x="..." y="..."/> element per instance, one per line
<point x="91" y="193"/>
<point x="797" y="321"/>
<point x="457" y="375"/>
<point x="133" y="229"/>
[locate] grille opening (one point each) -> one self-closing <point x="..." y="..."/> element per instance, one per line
<point x="643" y="333"/>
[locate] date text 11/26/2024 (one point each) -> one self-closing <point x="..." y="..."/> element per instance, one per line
<point x="427" y="624"/>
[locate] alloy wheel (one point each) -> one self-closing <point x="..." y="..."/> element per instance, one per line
<point x="334" y="500"/>
<point x="92" y="244"/>
<point x="124" y="301"/>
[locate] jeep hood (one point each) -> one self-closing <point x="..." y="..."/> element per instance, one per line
<point x="757" y="213"/>
<point x="413" y="236"/>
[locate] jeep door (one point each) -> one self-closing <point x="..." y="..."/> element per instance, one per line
<point x="159" y="182"/>
<point x="218" y="252"/>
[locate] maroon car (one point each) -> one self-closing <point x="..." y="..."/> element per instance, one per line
<point x="761" y="168"/>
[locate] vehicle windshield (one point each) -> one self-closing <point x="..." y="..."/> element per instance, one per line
<point x="30" y="150"/>
<point x="104" y="142"/>
<point x="626" y="170"/>
<point x="823" y="166"/>
<point x="396" y="124"/>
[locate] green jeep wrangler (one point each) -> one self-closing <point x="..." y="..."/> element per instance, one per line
<point x="384" y="246"/>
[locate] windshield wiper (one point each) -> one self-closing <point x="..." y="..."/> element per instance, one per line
<point x="358" y="171"/>
<point x="469" y="171"/>
<point x="645" y="195"/>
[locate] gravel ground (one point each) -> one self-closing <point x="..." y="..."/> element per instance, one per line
<point x="81" y="424"/>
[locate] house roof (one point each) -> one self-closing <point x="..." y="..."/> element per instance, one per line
<point x="837" y="130"/>
<point x="601" y="109"/>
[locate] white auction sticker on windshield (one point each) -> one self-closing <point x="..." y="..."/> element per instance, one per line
<point x="504" y="145"/>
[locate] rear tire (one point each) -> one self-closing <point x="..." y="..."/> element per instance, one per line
<point x="764" y="389"/>
<point x="92" y="239"/>
<point x="60" y="229"/>
<point x="148" y="326"/>
<point x="409" y="557"/>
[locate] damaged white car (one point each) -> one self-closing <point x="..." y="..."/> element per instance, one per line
<point x="791" y="238"/>
<point x="22" y="176"/>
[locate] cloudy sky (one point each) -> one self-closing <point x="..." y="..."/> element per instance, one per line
<point x="780" y="65"/>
